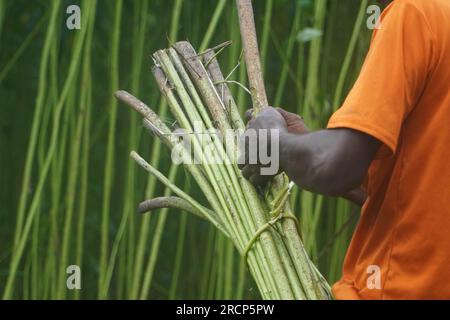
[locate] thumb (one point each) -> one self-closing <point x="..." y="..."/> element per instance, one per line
<point x="294" y="122"/>
<point x="289" y="117"/>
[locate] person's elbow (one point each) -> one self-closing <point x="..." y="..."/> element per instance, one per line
<point x="335" y="179"/>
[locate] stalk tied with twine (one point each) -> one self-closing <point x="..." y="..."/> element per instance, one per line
<point x="262" y="228"/>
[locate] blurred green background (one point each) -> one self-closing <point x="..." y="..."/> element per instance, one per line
<point x="68" y="189"/>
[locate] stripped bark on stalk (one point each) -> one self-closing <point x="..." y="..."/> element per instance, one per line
<point x="259" y="100"/>
<point x="171" y="202"/>
<point x="251" y="53"/>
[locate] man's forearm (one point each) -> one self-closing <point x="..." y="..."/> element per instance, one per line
<point x="304" y="159"/>
<point x="318" y="162"/>
<point x="332" y="161"/>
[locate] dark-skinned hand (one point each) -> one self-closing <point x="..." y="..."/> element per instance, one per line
<point x="268" y="118"/>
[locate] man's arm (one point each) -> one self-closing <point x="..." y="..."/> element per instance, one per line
<point x="332" y="162"/>
<point x="357" y="196"/>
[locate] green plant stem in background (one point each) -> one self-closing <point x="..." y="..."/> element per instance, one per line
<point x="53" y="236"/>
<point x="348" y="56"/>
<point x="140" y="14"/>
<point x="213" y="24"/>
<point x="314" y="60"/>
<point x="265" y="33"/>
<point x="23" y="46"/>
<point x="286" y="63"/>
<point x="109" y="160"/>
<point x="148" y="274"/>
<point x="86" y="99"/>
<point x="178" y="256"/>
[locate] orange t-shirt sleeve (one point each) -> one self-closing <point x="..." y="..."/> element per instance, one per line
<point x="392" y="77"/>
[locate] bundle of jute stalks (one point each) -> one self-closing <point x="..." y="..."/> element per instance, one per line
<point x="260" y="223"/>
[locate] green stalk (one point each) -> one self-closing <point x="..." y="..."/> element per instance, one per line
<point x="265" y="33"/>
<point x="349" y="55"/>
<point x="314" y="60"/>
<point x="23" y="46"/>
<point x="286" y="64"/>
<point x="241" y="280"/>
<point x="71" y="190"/>
<point x="218" y="294"/>
<point x="34" y="260"/>
<point x="51" y="277"/>
<point x="213" y="273"/>
<point x="229" y="269"/>
<point x="148" y="274"/>
<point x="212" y="25"/>
<point x="141" y="13"/>
<point x="178" y="256"/>
<point x="208" y="264"/>
<point x="109" y="160"/>
<point x="86" y="99"/>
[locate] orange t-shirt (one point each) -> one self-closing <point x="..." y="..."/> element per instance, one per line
<point x="401" y="246"/>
